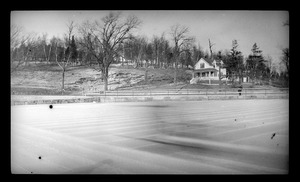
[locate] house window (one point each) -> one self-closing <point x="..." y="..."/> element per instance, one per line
<point x="203" y="74"/>
<point x="215" y="74"/>
<point x="201" y="65"/>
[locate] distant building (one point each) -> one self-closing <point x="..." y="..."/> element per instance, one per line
<point x="207" y="69"/>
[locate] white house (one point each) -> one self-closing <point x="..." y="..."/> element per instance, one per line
<point x="207" y="69"/>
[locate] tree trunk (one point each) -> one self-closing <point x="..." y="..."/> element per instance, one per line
<point x="48" y="59"/>
<point x="240" y="77"/>
<point x="175" y="73"/>
<point x="253" y="78"/>
<point x="220" y="81"/>
<point x="105" y="76"/>
<point x="63" y="80"/>
<point x="25" y="60"/>
<point x="105" y="83"/>
<point x="146" y="75"/>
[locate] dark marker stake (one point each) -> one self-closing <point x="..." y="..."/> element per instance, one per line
<point x="273" y="135"/>
<point x="50" y="106"/>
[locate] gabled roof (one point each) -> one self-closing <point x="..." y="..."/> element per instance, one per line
<point x="209" y="61"/>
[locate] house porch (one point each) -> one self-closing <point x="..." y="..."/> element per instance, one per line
<point x="208" y="73"/>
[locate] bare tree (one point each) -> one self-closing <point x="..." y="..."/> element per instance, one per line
<point x="15" y="36"/>
<point x="220" y="64"/>
<point x="46" y="54"/>
<point x="286" y="59"/>
<point x="102" y="39"/>
<point x="21" y="46"/>
<point x="197" y="53"/>
<point x="286" y="52"/>
<point x="64" y="62"/>
<point x="31" y="45"/>
<point x="158" y="46"/>
<point x="179" y="35"/>
<point x="210" y="46"/>
<point x="271" y="68"/>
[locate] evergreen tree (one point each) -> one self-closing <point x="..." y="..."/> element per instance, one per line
<point x="255" y="63"/>
<point x="73" y="49"/>
<point x="234" y="64"/>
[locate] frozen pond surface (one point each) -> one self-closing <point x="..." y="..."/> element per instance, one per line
<point x="198" y="137"/>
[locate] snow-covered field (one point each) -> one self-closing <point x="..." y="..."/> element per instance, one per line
<point x="200" y="137"/>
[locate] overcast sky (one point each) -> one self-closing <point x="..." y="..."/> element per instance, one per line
<point x="248" y="27"/>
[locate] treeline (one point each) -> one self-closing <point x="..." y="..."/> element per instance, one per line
<point x="256" y="67"/>
<point x="139" y="51"/>
<point x="100" y="44"/>
<point x="38" y="49"/>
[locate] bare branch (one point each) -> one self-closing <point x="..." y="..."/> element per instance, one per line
<point x="103" y="40"/>
<point x="210" y="48"/>
<point x="59" y="64"/>
<point x="15" y="35"/>
<point x="65" y="65"/>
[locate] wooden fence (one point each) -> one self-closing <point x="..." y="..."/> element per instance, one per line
<point x="173" y="92"/>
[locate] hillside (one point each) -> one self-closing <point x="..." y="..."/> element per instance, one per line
<point x="42" y="79"/>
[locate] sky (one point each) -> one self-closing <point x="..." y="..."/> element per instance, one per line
<point x="248" y="27"/>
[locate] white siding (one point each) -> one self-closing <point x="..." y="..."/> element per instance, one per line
<point x="223" y="70"/>
<point x="206" y="65"/>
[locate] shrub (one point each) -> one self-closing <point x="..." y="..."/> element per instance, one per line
<point x="236" y="85"/>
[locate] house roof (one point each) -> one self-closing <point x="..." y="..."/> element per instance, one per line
<point x="209" y="61"/>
